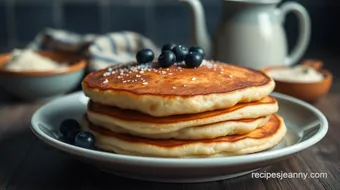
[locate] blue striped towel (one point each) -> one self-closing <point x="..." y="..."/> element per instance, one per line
<point x="100" y="50"/>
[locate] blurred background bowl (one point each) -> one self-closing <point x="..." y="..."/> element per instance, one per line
<point x="307" y="91"/>
<point x="43" y="84"/>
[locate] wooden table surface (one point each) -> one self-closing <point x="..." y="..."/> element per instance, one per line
<point x="28" y="163"/>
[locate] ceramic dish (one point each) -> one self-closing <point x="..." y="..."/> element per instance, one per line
<point x="42" y="84"/>
<point x="306" y="126"/>
<point x="310" y="92"/>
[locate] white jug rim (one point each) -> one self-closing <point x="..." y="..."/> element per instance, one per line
<point x="255" y="1"/>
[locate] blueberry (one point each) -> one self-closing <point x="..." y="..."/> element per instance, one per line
<point x="166" y="59"/>
<point x="180" y="52"/>
<point x="193" y="60"/>
<point x="145" y="56"/>
<point x="197" y="49"/>
<point x="168" y="46"/>
<point x="71" y="135"/>
<point x="68" y="124"/>
<point x="85" y="139"/>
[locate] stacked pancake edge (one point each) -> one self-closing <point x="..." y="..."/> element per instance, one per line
<point x="213" y="110"/>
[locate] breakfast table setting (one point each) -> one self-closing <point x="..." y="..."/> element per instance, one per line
<point x="118" y="111"/>
<point x="28" y="163"/>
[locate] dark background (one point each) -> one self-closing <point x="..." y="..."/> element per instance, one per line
<point x="160" y="20"/>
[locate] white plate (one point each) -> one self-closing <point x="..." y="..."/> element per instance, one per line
<point x="306" y="126"/>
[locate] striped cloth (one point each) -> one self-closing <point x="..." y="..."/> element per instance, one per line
<point x="100" y="50"/>
<point x="116" y="48"/>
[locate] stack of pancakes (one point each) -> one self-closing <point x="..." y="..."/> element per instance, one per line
<point x="216" y="109"/>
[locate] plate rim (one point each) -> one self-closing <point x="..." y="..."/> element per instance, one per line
<point x="187" y="162"/>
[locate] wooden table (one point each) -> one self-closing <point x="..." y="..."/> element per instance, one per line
<point x="27" y="163"/>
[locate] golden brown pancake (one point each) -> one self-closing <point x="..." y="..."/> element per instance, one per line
<point x="259" y="139"/>
<point x="208" y="131"/>
<point x="176" y="90"/>
<point x="110" y="117"/>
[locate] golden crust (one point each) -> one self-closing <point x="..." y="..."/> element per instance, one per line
<point x="176" y="90"/>
<point x="259" y="139"/>
<point x="132" y="115"/>
<point x="110" y="117"/>
<point x="204" y="80"/>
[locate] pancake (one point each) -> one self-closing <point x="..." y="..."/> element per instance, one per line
<point x="258" y="140"/>
<point x="208" y="131"/>
<point x="110" y="117"/>
<point x="176" y="90"/>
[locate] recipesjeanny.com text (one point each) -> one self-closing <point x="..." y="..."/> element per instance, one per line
<point x="288" y="175"/>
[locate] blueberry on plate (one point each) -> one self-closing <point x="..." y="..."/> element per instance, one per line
<point x="68" y="124"/>
<point x="145" y="56"/>
<point x="85" y="139"/>
<point x="197" y="49"/>
<point x="168" y="46"/>
<point x="193" y="60"/>
<point x="71" y="135"/>
<point x="180" y="52"/>
<point x="166" y="59"/>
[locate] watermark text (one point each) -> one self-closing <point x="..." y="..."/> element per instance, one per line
<point x="287" y="175"/>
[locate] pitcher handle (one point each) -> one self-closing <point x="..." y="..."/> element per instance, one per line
<point x="304" y="29"/>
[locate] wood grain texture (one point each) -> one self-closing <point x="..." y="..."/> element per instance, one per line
<point x="27" y="163"/>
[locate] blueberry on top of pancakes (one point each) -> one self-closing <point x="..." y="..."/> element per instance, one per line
<point x="180" y="52"/>
<point x="166" y="59"/>
<point x="197" y="49"/>
<point x="168" y="46"/>
<point x="145" y="56"/>
<point x="193" y="59"/>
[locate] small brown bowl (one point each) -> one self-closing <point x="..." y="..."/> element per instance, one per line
<point x="43" y="84"/>
<point x="309" y="92"/>
<point x="75" y="64"/>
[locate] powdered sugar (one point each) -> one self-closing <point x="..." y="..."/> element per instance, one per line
<point x="135" y="73"/>
<point x="105" y="81"/>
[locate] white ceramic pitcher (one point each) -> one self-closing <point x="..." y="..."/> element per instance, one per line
<point x="250" y="32"/>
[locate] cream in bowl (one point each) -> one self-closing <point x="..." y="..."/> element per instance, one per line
<point x="32" y="75"/>
<point x="31" y="61"/>
<point x="299" y="73"/>
<point x="306" y="81"/>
